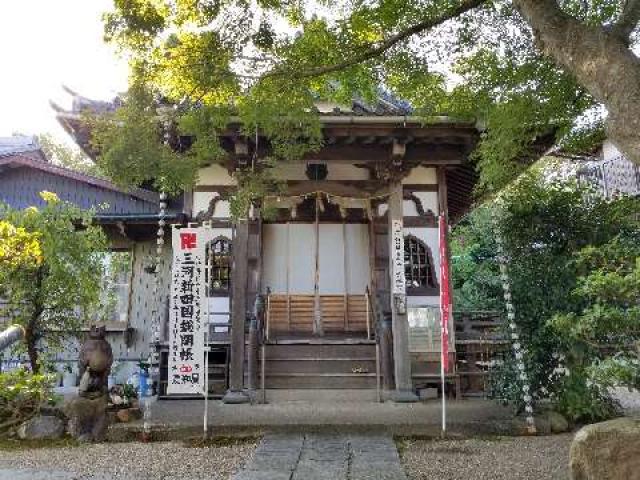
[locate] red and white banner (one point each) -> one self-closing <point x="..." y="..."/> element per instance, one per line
<point x="187" y="319"/>
<point x="445" y="294"/>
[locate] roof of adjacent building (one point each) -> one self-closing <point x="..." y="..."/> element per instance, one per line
<point x="25" y="171"/>
<point x="26" y="146"/>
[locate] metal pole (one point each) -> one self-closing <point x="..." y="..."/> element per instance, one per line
<point x="208" y="267"/>
<point x="378" y="371"/>
<point x="206" y="386"/>
<point x="444" y="402"/>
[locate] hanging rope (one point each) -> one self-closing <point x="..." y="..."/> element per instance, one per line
<point x="157" y="312"/>
<point x="511" y="318"/>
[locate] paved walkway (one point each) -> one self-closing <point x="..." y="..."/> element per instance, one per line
<point x="324" y="457"/>
<point x="174" y="419"/>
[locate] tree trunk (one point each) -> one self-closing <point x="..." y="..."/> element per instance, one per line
<point x="601" y="62"/>
<point x="31" y="340"/>
<point x="31" y="333"/>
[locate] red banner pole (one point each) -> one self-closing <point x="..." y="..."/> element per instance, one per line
<point x="445" y="302"/>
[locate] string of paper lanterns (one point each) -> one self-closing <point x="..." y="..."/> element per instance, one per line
<point x="518" y="351"/>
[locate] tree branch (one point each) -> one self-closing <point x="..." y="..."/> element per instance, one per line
<point x="628" y="20"/>
<point x="376" y="50"/>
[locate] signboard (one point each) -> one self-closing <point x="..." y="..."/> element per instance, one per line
<point x="187" y="317"/>
<point x="397" y="256"/>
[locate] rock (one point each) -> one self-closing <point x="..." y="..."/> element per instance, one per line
<point x="123" y="415"/>
<point x="606" y="451"/>
<point x="88" y="420"/>
<point x="135" y="413"/>
<point x="42" y="427"/>
<point x="558" y="423"/>
<point x="542" y="422"/>
<point x="126" y="415"/>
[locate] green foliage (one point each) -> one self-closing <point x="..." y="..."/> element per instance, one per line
<point x="22" y="394"/>
<point x="136" y="153"/>
<point x="605" y="325"/>
<point x="264" y="66"/>
<point x="66" y="156"/>
<point x="253" y="187"/>
<point x="573" y="271"/>
<point x="475" y="270"/>
<point x="57" y="294"/>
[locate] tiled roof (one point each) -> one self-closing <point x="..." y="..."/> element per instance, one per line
<point x="21" y="160"/>
<point x="18" y="144"/>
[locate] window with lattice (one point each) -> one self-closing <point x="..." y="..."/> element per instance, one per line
<point x="218" y="273"/>
<point x="418" y="265"/>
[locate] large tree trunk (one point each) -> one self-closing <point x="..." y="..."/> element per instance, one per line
<point x="601" y="62"/>
<point x="31" y="340"/>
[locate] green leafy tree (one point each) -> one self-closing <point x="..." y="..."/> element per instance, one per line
<point x="475" y="270"/>
<point x="534" y="72"/>
<point x="52" y="288"/>
<point x="602" y="335"/>
<point x="66" y="156"/>
<point x="566" y="250"/>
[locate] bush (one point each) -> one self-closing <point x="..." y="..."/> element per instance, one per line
<point x="22" y="395"/>
<point x="575" y="280"/>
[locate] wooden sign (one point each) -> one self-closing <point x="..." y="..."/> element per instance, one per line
<point x="397" y="255"/>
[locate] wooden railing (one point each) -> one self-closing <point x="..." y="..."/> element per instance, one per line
<point x="295" y="314"/>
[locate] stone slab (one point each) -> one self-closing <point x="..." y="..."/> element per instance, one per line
<point x="324" y="457"/>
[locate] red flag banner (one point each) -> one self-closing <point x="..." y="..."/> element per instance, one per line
<point x="445" y="294"/>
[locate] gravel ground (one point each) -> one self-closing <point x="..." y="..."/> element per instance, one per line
<point x="500" y="458"/>
<point x="139" y="461"/>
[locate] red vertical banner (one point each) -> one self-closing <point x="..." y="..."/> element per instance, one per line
<point x="445" y="294"/>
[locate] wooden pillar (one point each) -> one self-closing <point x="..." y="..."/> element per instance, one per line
<point x="239" y="275"/>
<point x="399" y="322"/>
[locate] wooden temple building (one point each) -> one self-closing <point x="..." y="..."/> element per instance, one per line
<point x="303" y="299"/>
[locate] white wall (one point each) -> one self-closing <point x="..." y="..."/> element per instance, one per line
<point x="429" y="201"/>
<point x="421" y="175"/>
<point x="214" y="175"/>
<point x="201" y="201"/>
<point x="335" y="171"/>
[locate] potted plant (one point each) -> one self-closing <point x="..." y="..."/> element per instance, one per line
<point x="69" y="376"/>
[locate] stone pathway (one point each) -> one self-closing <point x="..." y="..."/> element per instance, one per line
<point x="324" y="457"/>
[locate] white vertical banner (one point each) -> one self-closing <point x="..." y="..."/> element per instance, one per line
<point x="397" y="254"/>
<point x="187" y="314"/>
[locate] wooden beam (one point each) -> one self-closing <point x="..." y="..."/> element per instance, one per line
<point x="399" y="320"/>
<point x="398" y="151"/>
<point x="355" y="189"/>
<point x="239" y="276"/>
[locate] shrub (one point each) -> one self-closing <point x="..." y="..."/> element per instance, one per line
<point x="22" y="394"/>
